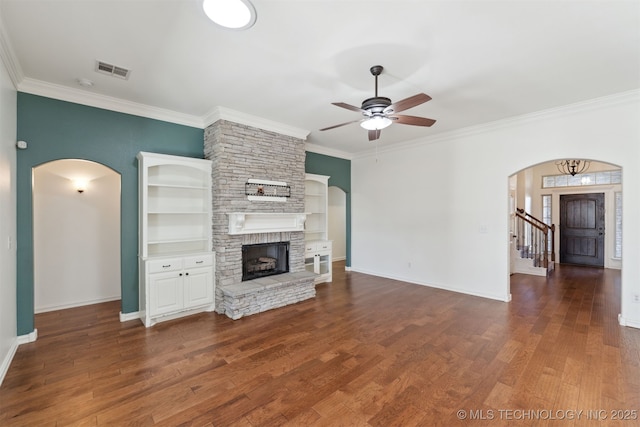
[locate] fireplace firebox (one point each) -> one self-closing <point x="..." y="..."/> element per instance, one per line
<point x="264" y="259"/>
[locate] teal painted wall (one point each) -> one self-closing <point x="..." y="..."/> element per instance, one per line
<point x="59" y="130"/>
<point x="339" y="172"/>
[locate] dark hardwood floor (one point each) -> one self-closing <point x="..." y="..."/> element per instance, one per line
<point x="366" y="351"/>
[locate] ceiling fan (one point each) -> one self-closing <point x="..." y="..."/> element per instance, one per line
<point x="379" y="112"/>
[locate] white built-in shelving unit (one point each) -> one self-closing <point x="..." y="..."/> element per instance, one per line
<point x="317" y="245"/>
<point x="175" y="248"/>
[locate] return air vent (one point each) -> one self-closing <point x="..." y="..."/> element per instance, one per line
<point x="112" y="70"/>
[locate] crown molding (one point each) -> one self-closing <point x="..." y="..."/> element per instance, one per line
<point x="223" y="113"/>
<point x="79" y="96"/>
<point x="632" y="96"/>
<point x="319" y="149"/>
<point x="8" y="57"/>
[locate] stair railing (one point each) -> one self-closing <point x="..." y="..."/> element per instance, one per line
<point x="535" y="239"/>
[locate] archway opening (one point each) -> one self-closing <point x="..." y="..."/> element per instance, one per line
<point x="76" y="234"/>
<point x="337" y="222"/>
<point x="541" y="193"/>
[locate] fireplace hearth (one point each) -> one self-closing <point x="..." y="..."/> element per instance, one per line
<point x="264" y="259"/>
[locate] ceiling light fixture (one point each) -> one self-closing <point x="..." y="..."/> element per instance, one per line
<point x="572" y="167"/>
<point x="376" y="123"/>
<point x="80" y="185"/>
<point x="231" y="14"/>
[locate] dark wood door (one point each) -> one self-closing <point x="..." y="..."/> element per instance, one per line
<point x="582" y="229"/>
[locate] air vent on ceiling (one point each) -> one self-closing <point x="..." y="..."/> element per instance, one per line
<point x="112" y="70"/>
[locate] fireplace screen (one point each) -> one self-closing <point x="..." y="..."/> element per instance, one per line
<point x="264" y="259"/>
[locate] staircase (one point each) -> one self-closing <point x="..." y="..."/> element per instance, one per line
<point x="532" y="247"/>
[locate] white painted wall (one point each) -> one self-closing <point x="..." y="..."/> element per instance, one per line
<point x="435" y="211"/>
<point x="337" y="222"/>
<point x="8" y="321"/>
<point x="76" y="239"/>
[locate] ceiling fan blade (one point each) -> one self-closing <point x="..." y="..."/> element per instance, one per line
<point x="341" y="124"/>
<point x="412" y="120"/>
<point x="349" y="107"/>
<point x="407" y="103"/>
<point x="374" y="134"/>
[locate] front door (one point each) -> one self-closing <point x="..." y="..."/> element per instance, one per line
<point x="582" y="229"/>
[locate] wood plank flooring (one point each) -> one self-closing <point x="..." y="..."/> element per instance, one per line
<point x="366" y="351"/>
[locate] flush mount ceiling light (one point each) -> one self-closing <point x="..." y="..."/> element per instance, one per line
<point x="231" y="14"/>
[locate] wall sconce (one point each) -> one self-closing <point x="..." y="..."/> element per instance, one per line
<point x="80" y="185"/>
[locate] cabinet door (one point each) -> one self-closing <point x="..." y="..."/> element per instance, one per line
<point x="323" y="262"/>
<point x="310" y="263"/>
<point x="198" y="287"/>
<point x="165" y="292"/>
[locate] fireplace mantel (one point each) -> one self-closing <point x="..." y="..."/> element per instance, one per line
<point x="265" y="222"/>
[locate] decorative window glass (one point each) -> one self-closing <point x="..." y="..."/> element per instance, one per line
<point x="546" y="215"/>
<point x="582" y="179"/>
<point x="617" y="244"/>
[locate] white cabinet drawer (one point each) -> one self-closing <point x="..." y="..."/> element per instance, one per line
<point x="317" y="246"/>
<point x="198" y="261"/>
<point x="324" y="246"/>
<point x="165" y="264"/>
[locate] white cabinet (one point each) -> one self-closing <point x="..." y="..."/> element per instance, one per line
<point x="176" y="286"/>
<point x="175" y="248"/>
<point x="317" y="247"/>
<point x="317" y="259"/>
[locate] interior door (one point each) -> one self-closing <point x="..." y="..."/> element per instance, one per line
<point x="582" y="229"/>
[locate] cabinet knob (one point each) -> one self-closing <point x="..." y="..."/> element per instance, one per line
<point x="186" y="274"/>
<point x="180" y="274"/>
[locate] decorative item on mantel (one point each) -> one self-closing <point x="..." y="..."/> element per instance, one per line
<point x="260" y="189"/>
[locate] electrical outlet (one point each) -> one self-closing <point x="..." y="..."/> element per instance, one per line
<point x="636" y="298"/>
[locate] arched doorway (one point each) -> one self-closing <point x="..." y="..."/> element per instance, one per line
<point x="539" y="189"/>
<point x="542" y="190"/>
<point x="76" y="226"/>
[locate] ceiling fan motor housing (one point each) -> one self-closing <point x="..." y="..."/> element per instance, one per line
<point x="376" y="105"/>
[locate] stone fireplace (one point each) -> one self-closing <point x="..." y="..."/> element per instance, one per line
<point x="241" y="154"/>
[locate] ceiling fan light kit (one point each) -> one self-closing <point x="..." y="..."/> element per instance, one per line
<point x="379" y="111"/>
<point x="376" y="123"/>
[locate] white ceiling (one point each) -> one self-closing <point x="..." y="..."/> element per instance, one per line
<point x="480" y="61"/>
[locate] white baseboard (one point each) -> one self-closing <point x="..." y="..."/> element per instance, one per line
<point x="125" y="317"/>
<point x="503" y="298"/>
<point x="625" y="322"/>
<point x="8" y="358"/>
<point x="30" y="337"/>
<point x="39" y="310"/>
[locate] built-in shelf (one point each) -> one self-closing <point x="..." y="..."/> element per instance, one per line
<point x="176" y="261"/>
<point x="317" y="248"/>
